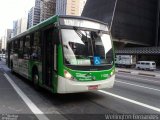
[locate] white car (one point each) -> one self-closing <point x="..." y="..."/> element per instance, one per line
<point x="146" y="65"/>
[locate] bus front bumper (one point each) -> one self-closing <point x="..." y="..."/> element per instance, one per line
<point x="69" y="86"/>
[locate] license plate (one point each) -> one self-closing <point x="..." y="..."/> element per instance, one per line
<point x="93" y="87"/>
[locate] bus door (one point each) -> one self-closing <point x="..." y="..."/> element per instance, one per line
<point x="48" y="57"/>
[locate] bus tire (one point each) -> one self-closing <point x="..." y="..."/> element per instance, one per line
<point x="11" y="66"/>
<point x="35" y="79"/>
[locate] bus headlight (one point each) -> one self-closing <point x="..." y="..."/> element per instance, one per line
<point x="112" y="73"/>
<point x="67" y="75"/>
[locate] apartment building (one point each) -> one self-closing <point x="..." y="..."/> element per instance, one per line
<point x="24" y="23"/>
<point x="47" y="9"/>
<point x="0" y="44"/>
<point x="15" y="23"/>
<point x="70" y="7"/>
<point x="34" y="14"/>
<point x="19" y="26"/>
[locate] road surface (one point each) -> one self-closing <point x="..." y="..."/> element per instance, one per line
<point x="131" y="94"/>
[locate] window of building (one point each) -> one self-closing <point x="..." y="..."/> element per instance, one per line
<point x="72" y="10"/>
<point x="72" y="13"/>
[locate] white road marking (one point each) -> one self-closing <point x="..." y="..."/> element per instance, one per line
<point x="38" y="113"/>
<point x="131" y="101"/>
<point x="142" y="79"/>
<point x="137" y="85"/>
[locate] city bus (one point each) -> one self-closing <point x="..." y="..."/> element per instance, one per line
<point x="64" y="54"/>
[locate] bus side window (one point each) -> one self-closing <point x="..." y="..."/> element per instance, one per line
<point x="36" y="47"/>
<point x="20" y="53"/>
<point x="26" y="53"/>
<point x="11" y="47"/>
<point x="15" y="46"/>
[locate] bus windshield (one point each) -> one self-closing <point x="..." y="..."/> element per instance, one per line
<point x="86" y="48"/>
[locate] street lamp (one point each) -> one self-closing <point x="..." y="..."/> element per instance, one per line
<point x="114" y="10"/>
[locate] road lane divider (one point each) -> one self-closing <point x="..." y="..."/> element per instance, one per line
<point x="137" y="85"/>
<point x="146" y="74"/>
<point x="156" y="75"/>
<point x="124" y="71"/>
<point x="38" y="113"/>
<point x="137" y="78"/>
<point x="131" y="101"/>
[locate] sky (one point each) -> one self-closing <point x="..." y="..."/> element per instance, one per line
<point x="11" y="10"/>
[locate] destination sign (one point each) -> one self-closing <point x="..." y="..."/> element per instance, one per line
<point x="83" y="23"/>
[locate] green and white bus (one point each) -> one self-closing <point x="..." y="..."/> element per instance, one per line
<point x="64" y="54"/>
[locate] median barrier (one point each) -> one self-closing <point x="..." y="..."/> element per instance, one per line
<point x="138" y="73"/>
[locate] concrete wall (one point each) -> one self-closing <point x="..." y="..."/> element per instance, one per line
<point x="134" y="21"/>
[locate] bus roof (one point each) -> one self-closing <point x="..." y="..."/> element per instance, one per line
<point x="51" y="20"/>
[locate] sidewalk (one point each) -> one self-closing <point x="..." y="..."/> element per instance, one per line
<point x="139" y="72"/>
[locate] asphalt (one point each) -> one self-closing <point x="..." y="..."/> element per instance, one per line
<point x="10" y="102"/>
<point x="144" y="89"/>
<point x="81" y="106"/>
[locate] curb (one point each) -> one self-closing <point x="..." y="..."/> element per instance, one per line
<point x="138" y="73"/>
<point x="152" y="75"/>
<point x="123" y="71"/>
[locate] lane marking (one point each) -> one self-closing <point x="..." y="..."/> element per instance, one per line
<point x="140" y="79"/>
<point x="137" y="85"/>
<point x="131" y="101"/>
<point x="38" y="113"/>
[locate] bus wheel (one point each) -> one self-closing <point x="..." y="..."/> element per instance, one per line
<point x="11" y="67"/>
<point x="35" y="79"/>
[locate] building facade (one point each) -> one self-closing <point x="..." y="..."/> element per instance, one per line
<point x="5" y="38"/>
<point x="0" y="45"/>
<point x="19" y="26"/>
<point x="15" y="24"/>
<point x="47" y="9"/>
<point x="134" y="21"/>
<point x="81" y="6"/>
<point x="70" y="7"/>
<point x="34" y="14"/>
<point x="24" y="23"/>
<point x="134" y="25"/>
<point x="16" y="27"/>
<point x="4" y="41"/>
<point x="8" y="33"/>
<point x="30" y="17"/>
<point x="61" y="7"/>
